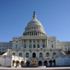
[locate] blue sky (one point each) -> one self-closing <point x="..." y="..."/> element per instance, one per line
<point x="53" y="14"/>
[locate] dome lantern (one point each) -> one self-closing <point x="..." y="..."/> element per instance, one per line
<point x="34" y="16"/>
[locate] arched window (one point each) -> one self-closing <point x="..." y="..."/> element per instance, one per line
<point x="20" y="54"/>
<point x="40" y="55"/>
<point x="47" y="54"/>
<point x="38" y="46"/>
<point x="34" y="46"/>
<point x="27" y="54"/>
<point x="13" y="54"/>
<point x="43" y="46"/>
<point x="54" y="53"/>
<point x="30" y="46"/>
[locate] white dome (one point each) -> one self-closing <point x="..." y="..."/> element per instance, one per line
<point x="34" y="26"/>
<point x="34" y="21"/>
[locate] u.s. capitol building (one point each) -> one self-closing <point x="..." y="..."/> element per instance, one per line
<point x="35" y="46"/>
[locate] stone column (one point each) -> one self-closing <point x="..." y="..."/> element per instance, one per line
<point x="32" y="43"/>
<point x="28" y="43"/>
<point x="41" y="43"/>
<point x="45" y="42"/>
<point x="19" y="64"/>
<point x="36" y="43"/>
<point x="48" y="63"/>
<point x="23" y="43"/>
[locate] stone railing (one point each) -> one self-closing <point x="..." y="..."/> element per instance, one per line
<point x="36" y="49"/>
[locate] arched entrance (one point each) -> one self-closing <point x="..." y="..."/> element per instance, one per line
<point x="22" y="63"/>
<point x="45" y="63"/>
<point x="50" y="62"/>
<point x="13" y="63"/>
<point x="34" y="55"/>
<point x="17" y="63"/>
<point x="54" y="62"/>
<point x="28" y="63"/>
<point x="40" y="63"/>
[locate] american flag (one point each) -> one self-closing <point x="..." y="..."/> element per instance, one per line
<point x="35" y="30"/>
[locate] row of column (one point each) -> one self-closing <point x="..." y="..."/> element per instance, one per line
<point x="40" y="43"/>
<point x="35" y="33"/>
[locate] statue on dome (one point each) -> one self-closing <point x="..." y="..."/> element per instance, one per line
<point x="34" y="12"/>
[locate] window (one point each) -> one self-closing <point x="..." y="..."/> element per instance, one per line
<point x="30" y="46"/>
<point x="65" y="49"/>
<point x="40" y="55"/>
<point x="52" y="46"/>
<point x="36" y="33"/>
<point x="30" y="41"/>
<point x="54" y="53"/>
<point x="20" y="54"/>
<point x="43" y="46"/>
<point x="16" y="41"/>
<point x="32" y="33"/>
<point x="51" y="41"/>
<point x="27" y="54"/>
<point x="24" y="41"/>
<point x="34" y="46"/>
<point x="13" y="54"/>
<point x="38" y="41"/>
<point x="3" y="50"/>
<point x="65" y="45"/>
<point x="25" y="46"/>
<point x="16" y="46"/>
<point x="43" y="41"/>
<point x="47" y="54"/>
<point x="68" y="49"/>
<point x="34" y="41"/>
<point x="38" y="46"/>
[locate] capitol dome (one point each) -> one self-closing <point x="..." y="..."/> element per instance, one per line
<point x="34" y="27"/>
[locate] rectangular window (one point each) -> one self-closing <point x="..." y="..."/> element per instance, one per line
<point x="51" y="46"/>
<point x="16" y="46"/>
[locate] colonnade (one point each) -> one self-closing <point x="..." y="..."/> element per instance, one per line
<point x="34" y="34"/>
<point x="32" y="42"/>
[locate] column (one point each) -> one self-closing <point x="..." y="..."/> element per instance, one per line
<point x="32" y="43"/>
<point x="36" y="43"/>
<point x="33" y="33"/>
<point x="48" y="63"/>
<point x="40" y="43"/>
<point x="42" y="63"/>
<point x="28" y="43"/>
<point x="19" y="64"/>
<point x="23" y="43"/>
<point x="45" y="42"/>
<point x="37" y="33"/>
